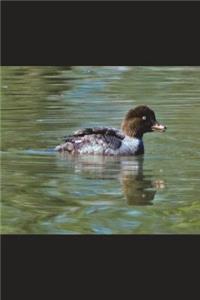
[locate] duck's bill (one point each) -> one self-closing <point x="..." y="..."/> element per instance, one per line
<point x="158" y="127"/>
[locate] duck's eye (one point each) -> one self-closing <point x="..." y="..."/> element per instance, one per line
<point x="144" y="118"/>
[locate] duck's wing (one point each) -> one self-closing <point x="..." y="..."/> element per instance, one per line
<point x="109" y="137"/>
<point x="109" y="131"/>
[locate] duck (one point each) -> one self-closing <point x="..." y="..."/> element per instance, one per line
<point x="109" y="141"/>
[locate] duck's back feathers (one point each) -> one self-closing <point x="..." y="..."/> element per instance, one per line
<point x="108" y="131"/>
<point x="98" y="140"/>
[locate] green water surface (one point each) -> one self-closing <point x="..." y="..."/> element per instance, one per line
<point x="45" y="192"/>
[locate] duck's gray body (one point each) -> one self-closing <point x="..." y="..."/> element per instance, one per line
<point x="101" y="141"/>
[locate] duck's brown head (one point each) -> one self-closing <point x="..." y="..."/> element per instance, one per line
<point x="140" y="120"/>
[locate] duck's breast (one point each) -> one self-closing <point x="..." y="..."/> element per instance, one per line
<point x="131" y="146"/>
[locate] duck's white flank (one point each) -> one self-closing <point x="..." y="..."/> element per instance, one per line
<point x="129" y="146"/>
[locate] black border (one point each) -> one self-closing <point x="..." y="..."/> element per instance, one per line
<point x="100" y="33"/>
<point x="98" y="267"/>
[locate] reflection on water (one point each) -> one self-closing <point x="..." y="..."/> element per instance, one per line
<point x="48" y="192"/>
<point x="128" y="171"/>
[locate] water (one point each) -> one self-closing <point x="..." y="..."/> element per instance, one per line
<point x="46" y="192"/>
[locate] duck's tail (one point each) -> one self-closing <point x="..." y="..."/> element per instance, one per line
<point x="65" y="147"/>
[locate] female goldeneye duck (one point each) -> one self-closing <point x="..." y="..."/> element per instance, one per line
<point x="111" y="141"/>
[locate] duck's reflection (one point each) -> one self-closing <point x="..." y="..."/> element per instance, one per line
<point x="137" y="188"/>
